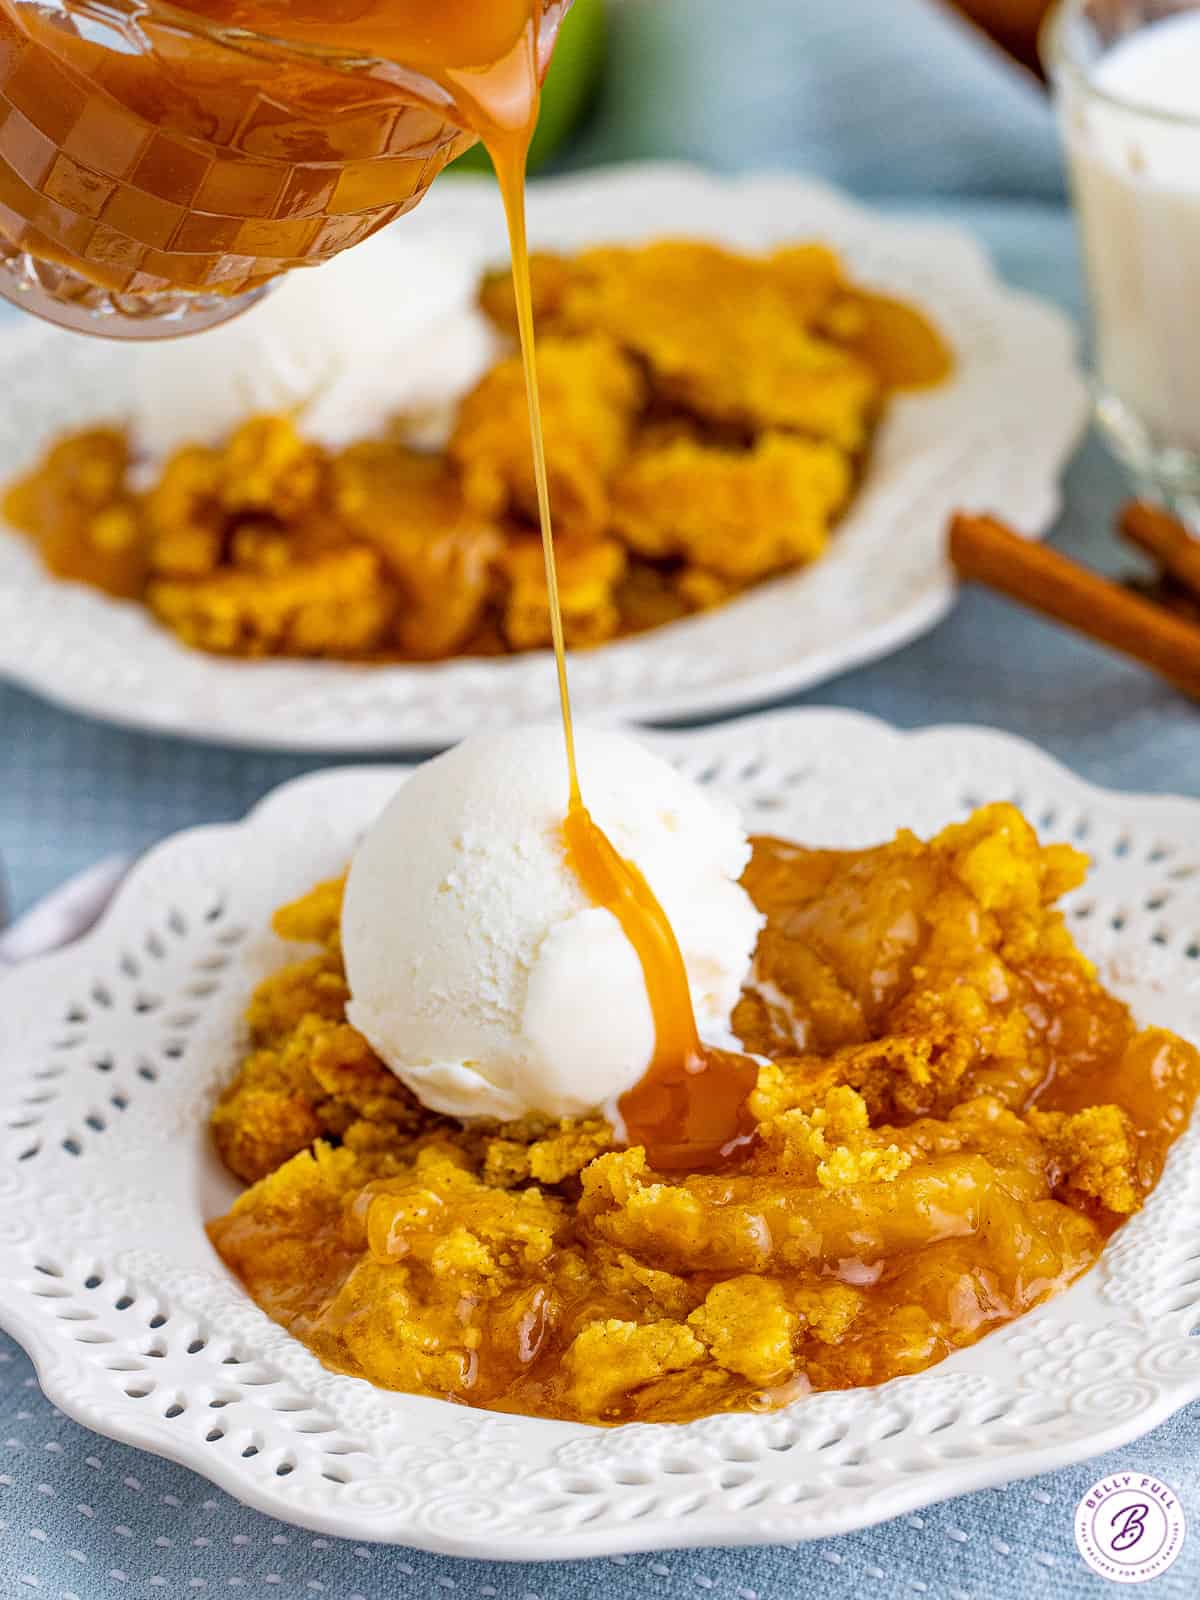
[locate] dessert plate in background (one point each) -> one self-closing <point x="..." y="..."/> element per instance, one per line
<point x="995" y="438"/>
<point x="111" y="1054"/>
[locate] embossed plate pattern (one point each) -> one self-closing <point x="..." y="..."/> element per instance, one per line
<point x="111" y="1052"/>
<point x="994" y="439"/>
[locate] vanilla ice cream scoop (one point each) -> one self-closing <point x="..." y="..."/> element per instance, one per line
<point x="479" y="970"/>
<point x="386" y="328"/>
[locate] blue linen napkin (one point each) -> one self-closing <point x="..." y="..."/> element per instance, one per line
<point x="898" y="100"/>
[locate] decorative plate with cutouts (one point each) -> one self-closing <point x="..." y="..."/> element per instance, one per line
<point x="994" y="439"/>
<point x="111" y="1054"/>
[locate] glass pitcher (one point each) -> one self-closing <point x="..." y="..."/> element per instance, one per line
<point x="160" y="164"/>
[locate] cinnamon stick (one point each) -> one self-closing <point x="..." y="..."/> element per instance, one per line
<point x="985" y="551"/>
<point x="1165" y="538"/>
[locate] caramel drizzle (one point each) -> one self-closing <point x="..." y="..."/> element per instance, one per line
<point x="689" y="1109"/>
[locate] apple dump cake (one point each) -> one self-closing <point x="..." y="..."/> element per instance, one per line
<point x="707" y="417"/>
<point x="950" y="1116"/>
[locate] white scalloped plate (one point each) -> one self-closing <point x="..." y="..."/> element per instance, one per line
<point x="995" y="439"/>
<point x="111" y="1052"/>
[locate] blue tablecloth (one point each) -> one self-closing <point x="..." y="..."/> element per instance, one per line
<point x="899" y="100"/>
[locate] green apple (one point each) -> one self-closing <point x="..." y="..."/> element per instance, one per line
<point x="575" y="70"/>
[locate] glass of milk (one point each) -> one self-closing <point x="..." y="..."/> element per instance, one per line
<point x="1127" y="76"/>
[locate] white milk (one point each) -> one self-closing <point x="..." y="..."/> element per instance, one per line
<point x="1137" y="182"/>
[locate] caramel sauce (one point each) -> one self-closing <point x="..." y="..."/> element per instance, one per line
<point x="212" y="145"/>
<point x="435" y="37"/>
<point x="689" y="1109"/>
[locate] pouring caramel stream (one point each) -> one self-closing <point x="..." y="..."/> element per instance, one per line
<point x="689" y="1109"/>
